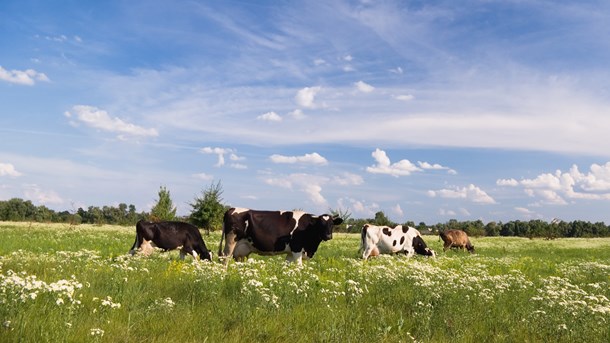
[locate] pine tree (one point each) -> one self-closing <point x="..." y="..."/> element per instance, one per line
<point x="164" y="209"/>
<point x="208" y="209"/>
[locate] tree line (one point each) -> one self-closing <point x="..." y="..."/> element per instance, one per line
<point x="207" y="211"/>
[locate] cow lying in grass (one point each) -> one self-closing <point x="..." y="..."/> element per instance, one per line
<point x="377" y="240"/>
<point x="457" y="239"/>
<point x="169" y="236"/>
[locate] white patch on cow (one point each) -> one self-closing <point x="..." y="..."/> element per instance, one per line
<point x="325" y="217"/>
<point x="195" y="255"/>
<point x="238" y="210"/>
<point x="296" y="215"/>
<point x="147" y="247"/>
<point x="377" y="242"/>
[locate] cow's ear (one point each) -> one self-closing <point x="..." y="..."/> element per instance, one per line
<point x="337" y="220"/>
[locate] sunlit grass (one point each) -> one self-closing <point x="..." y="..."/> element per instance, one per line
<point x="77" y="283"/>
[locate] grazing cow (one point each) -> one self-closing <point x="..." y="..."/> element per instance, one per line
<point x="377" y="240"/>
<point x="294" y="233"/>
<point x="170" y="235"/>
<point x="456" y="239"/>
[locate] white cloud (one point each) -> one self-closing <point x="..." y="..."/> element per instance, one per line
<point x="348" y="179"/>
<point x="348" y="58"/>
<point x="359" y="207"/>
<point x="444" y="212"/>
<point x="554" y="188"/>
<point x="309" y="184"/>
<point x="397" y="70"/>
<point x="364" y="87"/>
<point x="507" y="182"/>
<point x="37" y="195"/>
<point x="269" y="116"/>
<point x="306" y="96"/>
<point x="22" y="77"/>
<point x="99" y="119"/>
<point x="471" y="193"/>
<point x="435" y="166"/>
<point x="7" y="169"/>
<point x="319" y="62"/>
<point x="404" y="97"/>
<point x="384" y="166"/>
<point x="297" y="114"/>
<point x="220" y="152"/>
<point x="397" y="210"/>
<point x="313" y="158"/>
<point x="204" y="176"/>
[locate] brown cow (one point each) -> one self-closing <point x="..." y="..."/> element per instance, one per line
<point x="456" y="239"/>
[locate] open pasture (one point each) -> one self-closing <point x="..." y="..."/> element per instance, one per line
<point x="63" y="283"/>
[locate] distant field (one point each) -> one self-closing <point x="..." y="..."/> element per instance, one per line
<point x="61" y="283"/>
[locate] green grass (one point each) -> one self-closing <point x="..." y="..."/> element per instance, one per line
<point x="61" y="283"/>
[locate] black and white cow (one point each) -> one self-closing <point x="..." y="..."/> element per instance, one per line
<point x="294" y="233"/>
<point x="377" y="240"/>
<point x="170" y="235"/>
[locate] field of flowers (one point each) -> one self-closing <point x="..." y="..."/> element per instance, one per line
<point x="64" y="283"/>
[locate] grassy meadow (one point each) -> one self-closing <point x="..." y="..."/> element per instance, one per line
<point x="61" y="283"/>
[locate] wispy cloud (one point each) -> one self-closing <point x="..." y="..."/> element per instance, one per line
<point x="100" y="119"/>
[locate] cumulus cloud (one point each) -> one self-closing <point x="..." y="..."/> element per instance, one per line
<point x="507" y="182"/>
<point x="397" y="210"/>
<point x="364" y="87"/>
<point x="221" y="152"/>
<point x="306" y="97"/>
<point x="555" y="188"/>
<point x="309" y="184"/>
<point x="100" y="119"/>
<point x="313" y="158"/>
<point x="384" y="165"/>
<point x="7" y="169"/>
<point x="269" y="116"/>
<point x="27" y="77"/>
<point x="471" y="193"/>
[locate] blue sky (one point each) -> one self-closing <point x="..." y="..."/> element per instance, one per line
<point x="426" y="110"/>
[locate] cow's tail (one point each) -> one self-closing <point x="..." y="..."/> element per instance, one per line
<point x="363" y="238"/>
<point x="137" y="243"/>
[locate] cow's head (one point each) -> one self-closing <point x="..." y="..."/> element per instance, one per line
<point x="207" y="255"/>
<point x="324" y="225"/>
<point x="421" y="248"/>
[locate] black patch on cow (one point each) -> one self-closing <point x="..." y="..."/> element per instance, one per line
<point x="420" y="246"/>
<point x="405" y="229"/>
<point x="402" y="240"/>
<point x="386" y="231"/>
<point x="394" y="243"/>
<point x="169" y="235"/>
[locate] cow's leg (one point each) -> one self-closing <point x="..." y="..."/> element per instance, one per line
<point x="229" y="246"/>
<point x="295" y="257"/>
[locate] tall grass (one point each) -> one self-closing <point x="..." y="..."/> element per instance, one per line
<point x="64" y="283"/>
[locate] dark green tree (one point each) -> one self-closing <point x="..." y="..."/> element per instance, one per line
<point x="208" y="209"/>
<point x="164" y="209"/>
